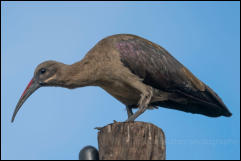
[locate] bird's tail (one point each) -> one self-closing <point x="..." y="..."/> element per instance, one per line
<point x="206" y="103"/>
<point x="218" y="101"/>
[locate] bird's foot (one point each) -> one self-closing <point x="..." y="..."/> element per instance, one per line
<point x="114" y="121"/>
<point x="98" y="128"/>
<point x="135" y="115"/>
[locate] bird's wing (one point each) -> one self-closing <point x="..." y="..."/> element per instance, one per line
<point x="156" y="66"/>
<point x="162" y="71"/>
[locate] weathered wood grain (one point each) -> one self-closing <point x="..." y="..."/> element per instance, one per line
<point x="131" y="141"/>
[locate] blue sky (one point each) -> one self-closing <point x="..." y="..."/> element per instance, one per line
<point x="55" y="123"/>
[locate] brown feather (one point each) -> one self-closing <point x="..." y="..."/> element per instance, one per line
<point x="162" y="71"/>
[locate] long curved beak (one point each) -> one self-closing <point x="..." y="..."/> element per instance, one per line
<point x="32" y="86"/>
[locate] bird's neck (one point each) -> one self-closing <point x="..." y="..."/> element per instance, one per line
<point x="79" y="74"/>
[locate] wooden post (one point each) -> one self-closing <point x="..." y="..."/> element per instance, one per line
<point x="131" y="141"/>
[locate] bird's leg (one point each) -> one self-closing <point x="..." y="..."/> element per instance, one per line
<point x="129" y="111"/>
<point x="142" y="104"/>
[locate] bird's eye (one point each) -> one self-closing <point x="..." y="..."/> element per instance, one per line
<point x="42" y="71"/>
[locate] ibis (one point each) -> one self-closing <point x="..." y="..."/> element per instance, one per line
<point x="137" y="72"/>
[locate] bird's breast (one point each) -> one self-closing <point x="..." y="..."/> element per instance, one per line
<point x="122" y="92"/>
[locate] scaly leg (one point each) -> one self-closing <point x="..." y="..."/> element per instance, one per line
<point x="142" y="104"/>
<point x="129" y="111"/>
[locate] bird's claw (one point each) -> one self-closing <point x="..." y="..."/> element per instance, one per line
<point x="98" y="128"/>
<point x="114" y="121"/>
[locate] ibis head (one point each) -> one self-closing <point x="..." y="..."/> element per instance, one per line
<point x="45" y="74"/>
